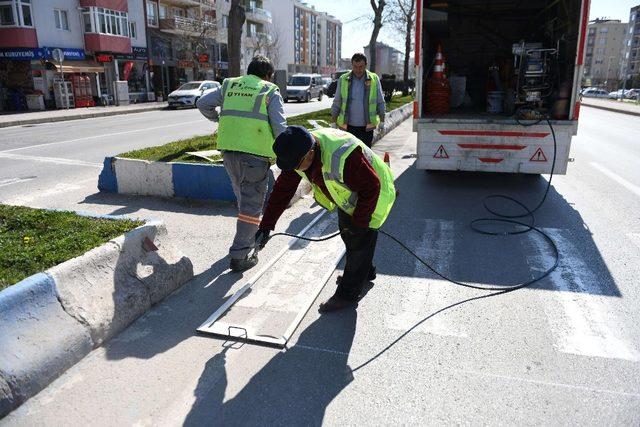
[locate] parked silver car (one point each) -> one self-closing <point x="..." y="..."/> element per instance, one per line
<point x="303" y="87"/>
<point x="594" y="92"/>
<point x="188" y="94"/>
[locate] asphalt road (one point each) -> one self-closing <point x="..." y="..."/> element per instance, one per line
<point x="40" y="157"/>
<point x="418" y="350"/>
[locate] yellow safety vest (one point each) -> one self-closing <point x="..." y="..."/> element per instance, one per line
<point x="370" y="99"/>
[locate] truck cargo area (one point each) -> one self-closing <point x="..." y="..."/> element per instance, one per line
<point x="504" y="59"/>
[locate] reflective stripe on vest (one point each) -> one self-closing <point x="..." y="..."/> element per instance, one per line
<point x="370" y="99"/>
<point x="244" y="120"/>
<point x="335" y="147"/>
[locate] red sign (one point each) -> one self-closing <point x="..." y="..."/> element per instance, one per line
<point x="441" y="153"/>
<point x="126" y="70"/>
<point x="104" y="58"/>
<point x="538" y="156"/>
<point x="203" y="57"/>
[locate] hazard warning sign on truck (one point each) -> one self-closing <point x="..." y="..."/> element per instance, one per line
<point x="441" y="153"/>
<point x="538" y="156"/>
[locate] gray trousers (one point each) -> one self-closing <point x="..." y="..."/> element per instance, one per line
<point x="249" y="178"/>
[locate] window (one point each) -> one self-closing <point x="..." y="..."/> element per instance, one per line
<point x="60" y="17"/>
<point x="15" y="13"/>
<point x="105" y="21"/>
<point x="225" y="21"/>
<point x="163" y="11"/>
<point x="604" y="30"/>
<point x="152" y="14"/>
<point x="132" y="30"/>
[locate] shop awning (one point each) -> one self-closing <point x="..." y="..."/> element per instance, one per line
<point x="80" y="67"/>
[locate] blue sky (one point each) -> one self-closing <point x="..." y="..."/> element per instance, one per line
<point x="356" y="34"/>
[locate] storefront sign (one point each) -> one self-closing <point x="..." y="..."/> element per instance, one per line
<point x="185" y="64"/>
<point x="203" y="57"/>
<point x="104" y="58"/>
<point x="137" y="53"/>
<point x="27" y="54"/>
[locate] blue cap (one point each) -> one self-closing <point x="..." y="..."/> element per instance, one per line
<point x="291" y="146"/>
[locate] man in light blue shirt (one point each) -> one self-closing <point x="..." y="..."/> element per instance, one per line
<point x="357" y="120"/>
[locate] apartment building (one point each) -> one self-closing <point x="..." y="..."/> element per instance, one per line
<point x="100" y="45"/>
<point x="389" y="60"/>
<point x="181" y="40"/>
<point x="310" y="40"/>
<point x="604" y="53"/>
<point x="632" y="46"/>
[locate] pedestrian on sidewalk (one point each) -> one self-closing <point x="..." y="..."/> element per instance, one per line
<point x="251" y="116"/>
<point x="343" y="173"/>
<point x="358" y="106"/>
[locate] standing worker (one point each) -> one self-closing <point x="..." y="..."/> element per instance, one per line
<point x="343" y="173"/>
<point x="251" y="116"/>
<point x="358" y="106"/>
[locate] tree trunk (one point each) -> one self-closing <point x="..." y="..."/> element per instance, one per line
<point x="234" y="37"/>
<point x="377" y="24"/>
<point x="407" y="52"/>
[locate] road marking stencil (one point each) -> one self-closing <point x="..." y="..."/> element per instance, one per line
<point x="420" y="294"/>
<point x="582" y="319"/>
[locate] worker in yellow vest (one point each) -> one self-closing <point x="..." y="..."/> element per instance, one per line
<point x="344" y="173"/>
<point x="358" y="106"/>
<point x="251" y="116"/>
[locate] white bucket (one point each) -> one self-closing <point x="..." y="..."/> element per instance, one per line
<point x="494" y="102"/>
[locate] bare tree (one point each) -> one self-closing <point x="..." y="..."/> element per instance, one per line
<point x="234" y="36"/>
<point x="196" y="36"/>
<point x="402" y="18"/>
<point x="267" y="43"/>
<point x="378" y="19"/>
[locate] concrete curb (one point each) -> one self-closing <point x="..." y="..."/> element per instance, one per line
<point x="51" y="320"/>
<point x="615" y="110"/>
<point x="196" y="180"/>
<point x="81" y="116"/>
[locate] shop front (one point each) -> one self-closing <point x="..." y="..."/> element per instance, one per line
<point x="134" y="69"/>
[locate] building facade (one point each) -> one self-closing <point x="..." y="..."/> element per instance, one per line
<point x="389" y="60"/>
<point x="631" y="69"/>
<point x="100" y="45"/>
<point x="330" y="43"/>
<point x="604" y="53"/>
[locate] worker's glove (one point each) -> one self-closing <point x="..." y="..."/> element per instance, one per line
<point x="262" y="237"/>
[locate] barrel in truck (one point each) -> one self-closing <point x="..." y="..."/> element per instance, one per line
<point x="491" y="78"/>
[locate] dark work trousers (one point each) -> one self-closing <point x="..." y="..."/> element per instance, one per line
<point x="362" y="134"/>
<point x="361" y="247"/>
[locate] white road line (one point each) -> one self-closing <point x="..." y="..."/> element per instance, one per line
<point x="47" y="194"/>
<point x="620" y="180"/>
<point x="102" y="136"/>
<point x="421" y="295"/>
<point x="582" y="319"/>
<point x="11" y="181"/>
<point x="55" y="160"/>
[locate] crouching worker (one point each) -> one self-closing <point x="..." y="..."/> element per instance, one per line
<point x="343" y="173"/>
<point x="252" y="114"/>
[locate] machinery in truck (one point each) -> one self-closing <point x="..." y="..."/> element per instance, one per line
<point x="493" y="78"/>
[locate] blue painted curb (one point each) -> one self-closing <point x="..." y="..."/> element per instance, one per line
<point x="107" y="181"/>
<point x="201" y="181"/>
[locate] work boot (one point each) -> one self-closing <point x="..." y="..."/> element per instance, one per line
<point x="242" y="264"/>
<point x="336" y="303"/>
<point x="371" y="277"/>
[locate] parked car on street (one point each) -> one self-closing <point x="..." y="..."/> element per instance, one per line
<point x="618" y="94"/>
<point x="303" y="87"/>
<point x="188" y="94"/>
<point x="633" y="94"/>
<point x="594" y="92"/>
<point x="326" y="81"/>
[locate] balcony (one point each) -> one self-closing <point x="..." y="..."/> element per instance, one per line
<point x="191" y="3"/>
<point x="254" y="13"/>
<point x="188" y="26"/>
<point x="261" y="37"/>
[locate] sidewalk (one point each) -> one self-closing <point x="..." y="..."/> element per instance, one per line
<point x="34" y="117"/>
<point x="611" y="105"/>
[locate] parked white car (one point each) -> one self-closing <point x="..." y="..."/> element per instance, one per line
<point x="618" y="94"/>
<point x="188" y="94"/>
<point x="594" y="92"/>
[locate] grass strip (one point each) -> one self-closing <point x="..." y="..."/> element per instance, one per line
<point x="177" y="151"/>
<point x="33" y="240"/>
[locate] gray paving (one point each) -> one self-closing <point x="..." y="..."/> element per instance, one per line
<point x="417" y="350"/>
